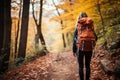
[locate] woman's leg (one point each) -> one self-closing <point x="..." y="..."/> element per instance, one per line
<point x="88" y="56"/>
<point x="81" y="65"/>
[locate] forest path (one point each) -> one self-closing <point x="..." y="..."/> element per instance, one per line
<point x="55" y="66"/>
<point x="64" y="67"/>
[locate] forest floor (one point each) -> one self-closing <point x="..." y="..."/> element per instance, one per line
<point x="55" y="66"/>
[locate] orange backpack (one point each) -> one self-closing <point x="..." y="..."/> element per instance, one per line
<point x="86" y="37"/>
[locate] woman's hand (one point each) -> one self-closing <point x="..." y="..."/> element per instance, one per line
<point x="74" y="54"/>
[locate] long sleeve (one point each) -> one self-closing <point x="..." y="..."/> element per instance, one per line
<point x="96" y="38"/>
<point x="75" y="40"/>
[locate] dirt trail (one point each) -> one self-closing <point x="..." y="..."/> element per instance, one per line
<point x="64" y="67"/>
<point x="55" y="66"/>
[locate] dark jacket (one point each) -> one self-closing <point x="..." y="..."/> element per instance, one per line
<point x="75" y="39"/>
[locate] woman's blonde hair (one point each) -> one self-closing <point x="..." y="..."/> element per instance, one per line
<point x="81" y="15"/>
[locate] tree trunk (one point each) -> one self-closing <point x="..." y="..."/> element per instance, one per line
<point x="5" y="35"/>
<point x="63" y="36"/>
<point x="99" y="10"/>
<point x="1" y="32"/>
<point x="39" y="25"/>
<point x="1" y="24"/>
<point x="39" y="28"/>
<point x="18" y="25"/>
<point x="36" y="40"/>
<point x="61" y="22"/>
<point x="67" y="37"/>
<point x="24" y="31"/>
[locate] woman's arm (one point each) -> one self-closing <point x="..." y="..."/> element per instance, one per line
<point x="96" y="38"/>
<point x="75" y="40"/>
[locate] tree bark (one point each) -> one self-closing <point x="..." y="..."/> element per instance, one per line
<point x="24" y="31"/>
<point x="1" y="32"/>
<point x="39" y="25"/>
<point x="18" y="29"/>
<point x="102" y="20"/>
<point x="5" y="35"/>
<point x="1" y="24"/>
<point x="68" y="40"/>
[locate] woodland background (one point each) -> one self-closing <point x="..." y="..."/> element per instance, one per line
<point x="30" y="28"/>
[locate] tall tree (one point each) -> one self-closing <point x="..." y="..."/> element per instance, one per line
<point x="18" y="29"/>
<point x="100" y="13"/>
<point x="39" y="24"/>
<point x="61" y="22"/>
<point x="1" y="24"/>
<point x="5" y="33"/>
<point x="1" y="31"/>
<point x="24" y="30"/>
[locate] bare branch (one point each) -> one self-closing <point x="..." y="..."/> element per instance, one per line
<point x="33" y="12"/>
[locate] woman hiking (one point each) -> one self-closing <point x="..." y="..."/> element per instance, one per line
<point x="83" y="43"/>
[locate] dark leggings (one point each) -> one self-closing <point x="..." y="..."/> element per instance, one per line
<point x="88" y="56"/>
